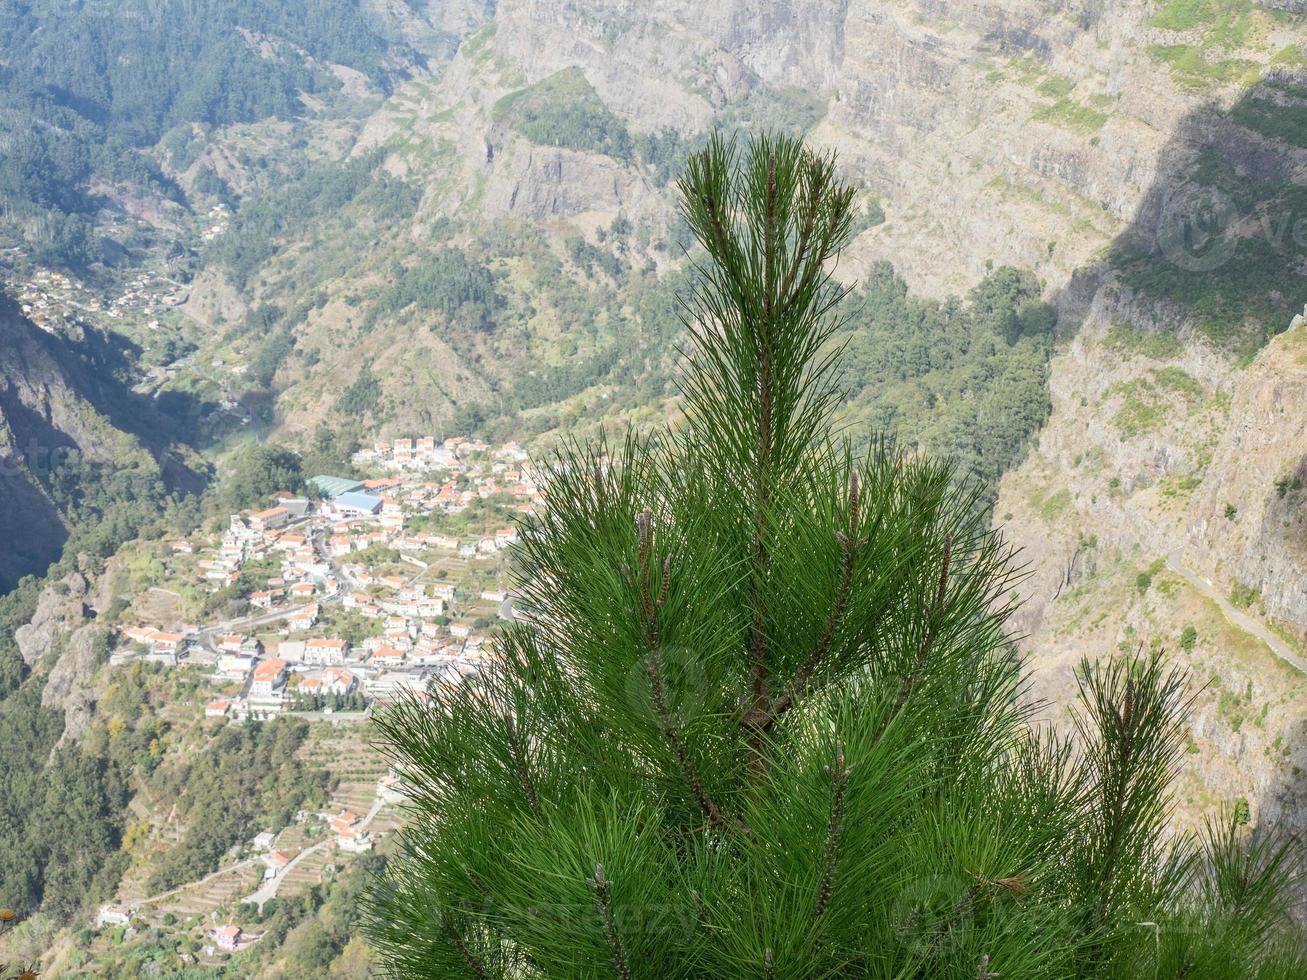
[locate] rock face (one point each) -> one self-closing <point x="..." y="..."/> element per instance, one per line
<point x="48" y="416"/>
<point x="1167" y="484"/>
<point x="1036" y="133"/>
<point x="670" y="63"/>
<point x="990" y="130"/>
<point x="31" y="409"/>
<point x="59" y="610"/>
<point x="61" y="638"/>
<point x="68" y="686"/>
<point x="1260" y="469"/>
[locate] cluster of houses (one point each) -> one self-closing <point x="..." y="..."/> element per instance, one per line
<point x="49" y="297"/>
<point x="370" y="590"/>
<point x="413" y="631"/>
<point x="454" y="454"/>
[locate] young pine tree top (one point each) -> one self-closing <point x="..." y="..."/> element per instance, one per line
<point x="762" y="718"/>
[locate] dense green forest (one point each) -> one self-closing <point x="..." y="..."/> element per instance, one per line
<point x="84" y="86"/>
<point x="965" y="378"/>
<point x="448" y="282"/>
<point x="306" y="193"/>
<point x="61" y="809"/>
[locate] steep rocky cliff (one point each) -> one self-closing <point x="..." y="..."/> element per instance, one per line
<point x="1161" y="496"/>
<point x="1049" y="136"/>
<point x="63" y="641"/>
<point x="53" y="429"/>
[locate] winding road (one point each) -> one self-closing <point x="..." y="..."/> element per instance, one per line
<point x="1175" y="562"/>
<point x="269" y="887"/>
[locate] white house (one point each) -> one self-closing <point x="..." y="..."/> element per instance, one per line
<point x="228" y="938"/>
<point x="263" y="841"/>
<point x="292" y="650"/>
<point x="325" y="651"/>
<point x="113" y="915"/>
<point x="269" y="678"/>
<point x="267" y="520"/>
<point x="235" y="665"/>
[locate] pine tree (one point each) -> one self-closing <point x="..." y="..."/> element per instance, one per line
<point x="761" y="717"/>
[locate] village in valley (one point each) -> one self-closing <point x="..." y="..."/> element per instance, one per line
<point x="351" y="595"/>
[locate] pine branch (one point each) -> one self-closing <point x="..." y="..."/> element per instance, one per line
<point x="715" y="816"/>
<point x="769" y="964"/>
<point x="758" y="673"/>
<point x="839" y="778"/>
<point x="472" y="962"/>
<point x="849" y="544"/>
<point x="603" y="898"/>
<point x="985" y="973"/>
<point x="519" y="763"/>
<point x="932" y="624"/>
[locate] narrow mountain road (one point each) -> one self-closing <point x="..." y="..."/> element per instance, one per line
<point x="269" y="887"/>
<point x="1175" y="562"/>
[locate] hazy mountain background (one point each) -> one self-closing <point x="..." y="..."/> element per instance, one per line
<point x="1080" y="256"/>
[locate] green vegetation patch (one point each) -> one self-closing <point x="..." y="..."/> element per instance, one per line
<point x="355" y="190"/>
<point x="124" y="80"/>
<point x="246" y="779"/>
<point x="1243" y="596"/>
<point x="1224" y="23"/>
<point x="1192" y="67"/>
<point x="1276" y="111"/>
<point x="968" y="376"/>
<point x="1073" y="116"/>
<point x="1157" y="344"/>
<point x="1213" y="29"/>
<point x="1054" y="506"/>
<point x="1140" y="412"/>
<point x="449" y="282"/>
<point x="1179" y="381"/>
<point x="1237" y="269"/>
<point x="564" y="110"/>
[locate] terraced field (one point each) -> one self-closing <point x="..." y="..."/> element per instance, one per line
<point x="223" y="887"/>
<point x="343" y="750"/>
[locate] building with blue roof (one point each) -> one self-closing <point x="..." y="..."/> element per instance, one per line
<point x="352" y="504"/>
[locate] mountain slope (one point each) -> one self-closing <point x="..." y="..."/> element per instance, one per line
<point x="74" y="448"/>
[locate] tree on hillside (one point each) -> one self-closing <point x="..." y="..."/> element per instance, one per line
<point x="763" y="720"/>
<point x="256" y="473"/>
